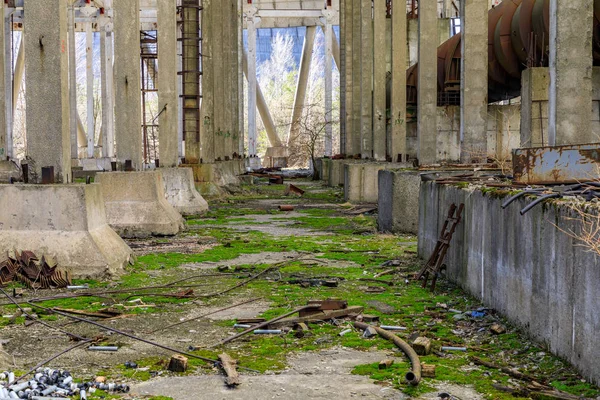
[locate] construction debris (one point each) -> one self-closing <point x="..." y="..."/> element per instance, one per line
<point x="427" y="371"/>
<point x="35" y="273"/>
<point x="229" y="365"/>
<point x="497" y="329"/>
<point x="422" y="346"/>
<point x="178" y="363"/>
<point x="321" y="316"/>
<point x="286" y="207"/>
<point x="385" y="364"/>
<point x="293" y="189"/>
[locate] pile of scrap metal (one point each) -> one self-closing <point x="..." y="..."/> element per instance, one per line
<point x="33" y="272"/>
<point x="587" y="191"/>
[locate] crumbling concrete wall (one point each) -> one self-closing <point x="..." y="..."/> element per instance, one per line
<point x="523" y="266"/>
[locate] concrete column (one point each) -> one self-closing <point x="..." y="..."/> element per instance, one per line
<point x="335" y="48"/>
<point x="397" y="149"/>
<point x="348" y="78"/>
<point x="47" y="74"/>
<point x="19" y="72"/>
<point x="427" y="95"/>
<point x="89" y="83"/>
<point x="108" y="99"/>
<point x="570" y="60"/>
<point x="474" y="81"/>
<point x="128" y="117"/>
<point x="218" y="59"/>
<point x="354" y="138"/>
<point x="207" y="116"/>
<point x="196" y="129"/>
<point x="180" y="147"/>
<point x="328" y="88"/>
<point x="5" y="86"/>
<point x="343" y="86"/>
<point x="379" y="81"/>
<point x="305" y="61"/>
<point x="366" y="82"/>
<point x="167" y="83"/>
<point x="233" y="77"/>
<point x="72" y="82"/>
<point x="251" y="85"/>
<point x="240" y="46"/>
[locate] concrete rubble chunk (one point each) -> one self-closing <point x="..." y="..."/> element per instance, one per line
<point x="65" y="222"/>
<point x="136" y="206"/>
<point x="181" y="193"/>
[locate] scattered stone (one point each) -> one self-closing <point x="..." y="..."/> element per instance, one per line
<point x="178" y="363"/>
<point x="385" y="364"/>
<point x="497" y="329"/>
<point x="369" y="318"/>
<point x="381" y="307"/>
<point x="422" y="346"/>
<point x="369" y="332"/>
<point x="427" y="371"/>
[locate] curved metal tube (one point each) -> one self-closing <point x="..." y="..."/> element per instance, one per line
<point x="519" y="195"/>
<point x="413" y="377"/>
<point x="539" y="200"/>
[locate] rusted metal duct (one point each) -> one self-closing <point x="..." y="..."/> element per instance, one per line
<point x="518" y="38"/>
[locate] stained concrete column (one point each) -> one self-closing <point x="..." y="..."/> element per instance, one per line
<point x="328" y="88"/>
<point x="240" y="46"/>
<point x="348" y="78"/>
<point x="207" y="120"/>
<point x="302" y="84"/>
<point x="366" y="81"/>
<point x="251" y="85"/>
<point x="108" y="99"/>
<point x="379" y="81"/>
<point x="72" y="81"/>
<point x="474" y="81"/>
<point x="47" y="80"/>
<point x="89" y="83"/>
<point x="570" y="96"/>
<point x="343" y="81"/>
<point x="217" y="58"/>
<point x="5" y="87"/>
<point x="355" y="143"/>
<point x="427" y="95"/>
<point x="167" y="83"/>
<point x="128" y="82"/>
<point x="397" y="149"/>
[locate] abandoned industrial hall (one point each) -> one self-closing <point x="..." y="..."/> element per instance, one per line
<point x="300" y="199"/>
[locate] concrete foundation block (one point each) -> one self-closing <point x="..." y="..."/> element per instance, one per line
<point x="361" y="180"/>
<point x="8" y="170"/>
<point x="399" y="201"/>
<point x="180" y="191"/>
<point x="66" y="222"/>
<point x="211" y="178"/>
<point x="335" y="172"/>
<point x="276" y="157"/>
<point x="96" y="164"/>
<point x="136" y="205"/>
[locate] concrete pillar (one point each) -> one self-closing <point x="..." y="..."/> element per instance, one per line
<point x="72" y="81"/>
<point x="474" y="81"/>
<point x="193" y="123"/>
<point x="5" y="87"/>
<point x="251" y="24"/>
<point x="207" y="116"/>
<point x="348" y="78"/>
<point x="167" y="83"/>
<point x="427" y="95"/>
<point x="328" y="88"/>
<point x="355" y="136"/>
<point x="301" y="85"/>
<point x="108" y="99"/>
<point x="233" y="77"/>
<point x="218" y="58"/>
<point x="128" y="117"/>
<point x="379" y="81"/>
<point x="47" y="74"/>
<point x="342" y="68"/>
<point x="241" y="110"/>
<point x="570" y="72"/>
<point x="366" y="82"/>
<point x="89" y="83"/>
<point x="399" y="55"/>
<point x="335" y="48"/>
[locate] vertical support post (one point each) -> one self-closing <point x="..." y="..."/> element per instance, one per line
<point x="328" y="88"/>
<point x="354" y="145"/>
<point x="89" y="74"/>
<point x="167" y="83"/>
<point x="193" y="61"/>
<point x="251" y="23"/>
<point x="47" y="77"/>
<point x="5" y="87"/>
<point x="240" y="44"/>
<point x="397" y="149"/>
<point x="180" y="147"/>
<point x="72" y="82"/>
<point x="366" y="83"/>
<point x="474" y="81"/>
<point x="128" y="82"/>
<point x="348" y="77"/>
<point x="570" y="97"/>
<point x="207" y="116"/>
<point x="379" y="81"/>
<point x="343" y="82"/>
<point x="427" y="95"/>
<point x="301" y="85"/>
<point x="217" y="58"/>
<point x="108" y="112"/>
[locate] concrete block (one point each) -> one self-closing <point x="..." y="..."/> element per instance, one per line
<point x="8" y="170"/>
<point x="96" y="164"/>
<point x="336" y="172"/>
<point x="399" y="201"/>
<point x="361" y="180"/>
<point x="67" y="222"/>
<point x="136" y="205"/>
<point x="211" y="178"/>
<point x="180" y="191"/>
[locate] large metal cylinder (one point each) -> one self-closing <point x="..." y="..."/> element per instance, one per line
<point x="518" y="38"/>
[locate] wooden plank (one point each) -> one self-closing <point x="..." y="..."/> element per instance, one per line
<point x="229" y="365"/>
<point x="322" y="316"/>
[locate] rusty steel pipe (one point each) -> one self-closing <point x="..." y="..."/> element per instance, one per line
<point x="518" y="38"/>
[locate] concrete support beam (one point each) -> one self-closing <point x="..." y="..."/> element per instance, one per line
<point x="348" y="78"/>
<point x="46" y="52"/>
<point x="366" y="81"/>
<point x="570" y="72"/>
<point x="73" y="126"/>
<point x="240" y="45"/>
<point x="302" y="84"/>
<point x="353" y="144"/>
<point x="196" y="118"/>
<point x="252" y="84"/>
<point x="343" y="68"/>
<point x="5" y="87"/>
<point x="329" y="88"/>
<point x="167" y="84"/>
<point x="89" y="83"/>
<point x="128" y="82"/>
<point x="379" y="81"/>
<point x="397" y="150"/>
<point x="427" y="95"/>
<point x="108" y="98"/>
<point x="474" y="81"/>
<point x="216" y="34"/>
<point x="335" y="46"/>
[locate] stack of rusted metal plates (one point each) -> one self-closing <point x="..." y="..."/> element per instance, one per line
<point x="35" y="273"/>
